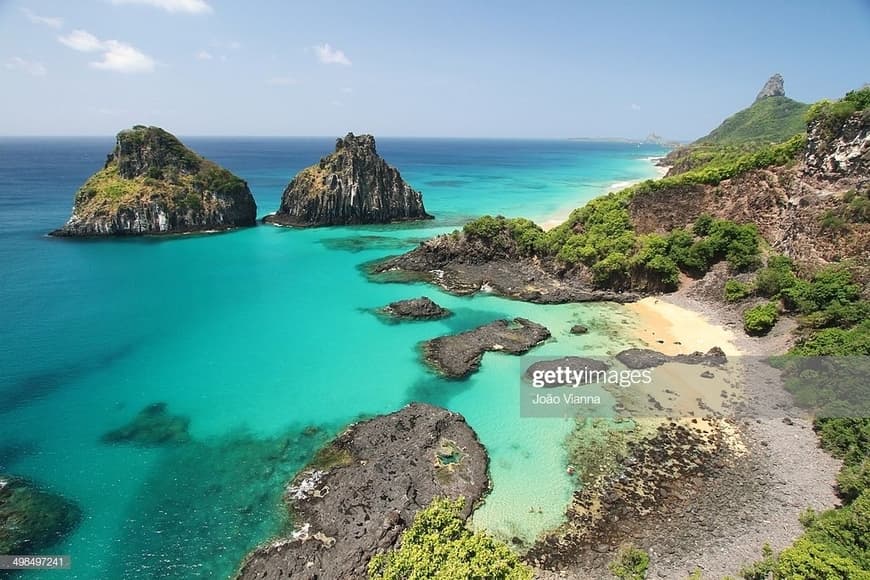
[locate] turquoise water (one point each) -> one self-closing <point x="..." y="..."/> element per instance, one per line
<point x="257" y="336"/>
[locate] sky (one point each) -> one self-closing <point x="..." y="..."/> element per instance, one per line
<point x="415" y="68"/>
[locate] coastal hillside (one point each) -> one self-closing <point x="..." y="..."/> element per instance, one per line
<point x="153" y="184"/>
<point x="772" y="118"/>
<point x="352" y="185"/>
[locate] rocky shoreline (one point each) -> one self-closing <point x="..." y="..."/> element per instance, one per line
<point x="463" y="266"/>
<point x="704" y="493"/>
<point x="364" y="488"/>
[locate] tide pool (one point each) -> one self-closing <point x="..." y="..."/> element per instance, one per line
<point x="265" y="339"/>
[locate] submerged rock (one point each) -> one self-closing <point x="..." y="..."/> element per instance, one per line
<point x="32" y="519"/>
<point x="381" y="472"/>
<point x="154" y="425"/>
<point x="459" y="355"/>
<point x="153" y="184"/>
<point x="352" y="185"/>
<point x="579" y="329"/>
<point x="422" y="308"/>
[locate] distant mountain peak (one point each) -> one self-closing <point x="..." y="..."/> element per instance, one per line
<point x="774" y="87"/>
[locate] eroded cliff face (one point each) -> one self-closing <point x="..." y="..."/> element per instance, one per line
<point x="352" y="185"/>
<point x="805" y="211"/>
<point x="840" y="152"/>
<point x="153" y="184"/>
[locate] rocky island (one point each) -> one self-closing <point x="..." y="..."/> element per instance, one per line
<point x="352" y="185"/>
<point x="153" y="184"/>
<point x="423" y="308"/>
<point x="364" y="488"/>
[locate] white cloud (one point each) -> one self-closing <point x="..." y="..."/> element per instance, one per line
<point x="172" y="6"/>
<point x="347" y="90"/>
<point x="235" y="45"/>
<point x="204" y="55"/>
<point x="116" y="55"/>
<point x="82" y="41"/>
<point x="635" y="107"/>
<point x="51" y="22"/>
<point x="121" y="57"/>
<point x="281" y="81"/>
<point x="36" y="69"/>
<point x="328" y="55"/>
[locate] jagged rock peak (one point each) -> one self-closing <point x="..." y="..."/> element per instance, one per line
<point x="774" y="87"/>
<point x="356" y="143"/>
<point x="351" y="185"/>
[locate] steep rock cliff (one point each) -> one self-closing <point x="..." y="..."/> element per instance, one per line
<point x="153" y="184"/>
<point x="352" y="185"/>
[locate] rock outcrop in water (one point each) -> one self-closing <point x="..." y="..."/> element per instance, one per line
<point x="364" y="489"/>
<point x="352" y="185"/>
<point x="32" y="519"/>
<point x="458" y="355"/>
<point x="423" y="308"/>
<point x="462" y="264"/>
<point x="153" y="184"/>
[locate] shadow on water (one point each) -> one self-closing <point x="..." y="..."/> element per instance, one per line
<point x="207" y="503"/>
<point x="11" y="452"/>
<point x="436" y="390"/>
<point x="356" y="244"/>
<point x="39" y="385"/>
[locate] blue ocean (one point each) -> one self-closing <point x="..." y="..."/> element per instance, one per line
<point x="265" y="339"/>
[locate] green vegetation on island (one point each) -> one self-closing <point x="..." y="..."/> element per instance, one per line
<point x="438" y="545"/>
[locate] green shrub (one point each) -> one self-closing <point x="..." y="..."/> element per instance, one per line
<point x="736" y="290"/>
<point x="485" y="227"/>
<point x="831" y="284"/>
<point x="758" y="320"/>
<point x="612" y="271"/>
<point x="833" y="223"/>
<point x="702" y="225"/>
<point x="775" y="277"/>
<point x="630" y="563"/>
<point x="761" y="569"/>
<point x="854" y="479"/>
<point x="439" y="546"/>
<point x="809" y="560"/>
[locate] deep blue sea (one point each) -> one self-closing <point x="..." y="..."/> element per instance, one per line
<point x="257" y="336"/>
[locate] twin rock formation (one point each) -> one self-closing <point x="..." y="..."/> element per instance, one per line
<point x="152" y="184"/>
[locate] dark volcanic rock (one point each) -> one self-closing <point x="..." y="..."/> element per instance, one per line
<point x="32" y="519"/>
<point x="352" y="185"/>
<point x="154" y="425"/>
<point x="463" y="265"/>
<point x="153" y="184"/>
<point x="459" y="355"/>
<point x="370" y="483"/>
<point x="774" y="87"/>
<point x="579" y="329"/>
<point x="644" y="358"/>
<point x="422" y="308"/>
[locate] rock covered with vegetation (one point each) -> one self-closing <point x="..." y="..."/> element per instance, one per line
<point x="352" y="185"/>
<point x="153" y="184"/>
<point x="32" y="519"/>
<point x="364" y="489"/>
